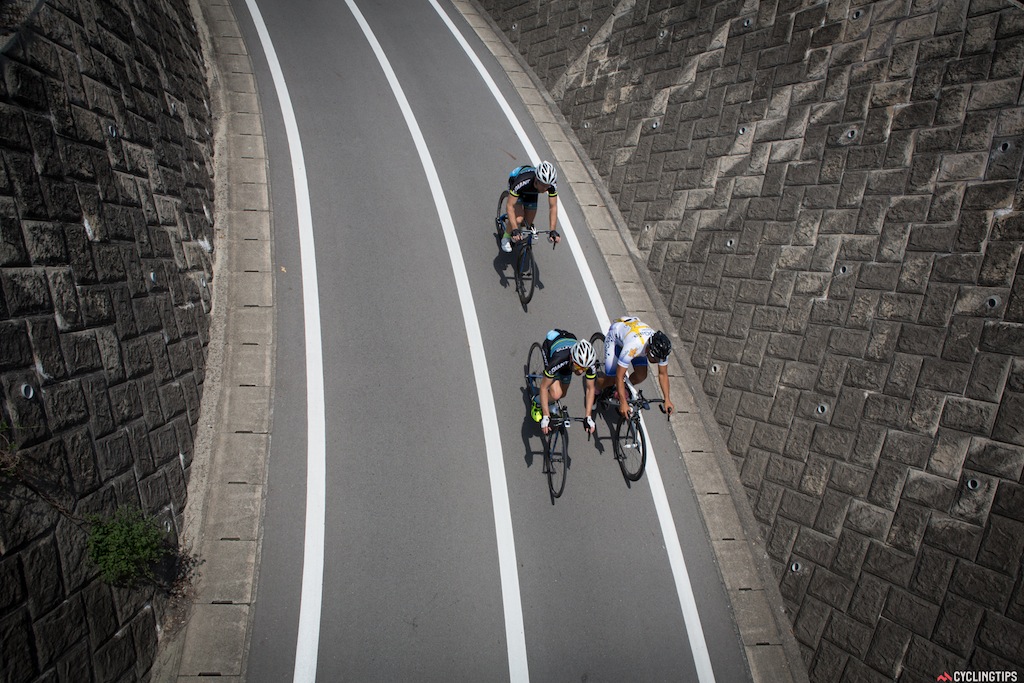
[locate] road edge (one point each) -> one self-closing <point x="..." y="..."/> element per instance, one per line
<point x="210" y="634"/>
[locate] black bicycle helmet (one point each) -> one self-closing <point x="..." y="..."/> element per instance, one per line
<point x="659" y="346"/>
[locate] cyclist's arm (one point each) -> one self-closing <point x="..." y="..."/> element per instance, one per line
<point x="553" y="206"/>
<point x="545" y="386"/>
<point x="510" y="209"/>
<point x="588" y="401"/>
<point x="663" y="383"/>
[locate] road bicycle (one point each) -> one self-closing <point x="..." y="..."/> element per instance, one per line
<point x="556" y="447"/>
<point x="629" y="439"/>
<point x="526" y="272"/>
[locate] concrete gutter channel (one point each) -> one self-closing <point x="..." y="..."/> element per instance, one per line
<point x="226" y="488"/>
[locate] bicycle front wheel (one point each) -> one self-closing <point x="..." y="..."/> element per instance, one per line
<point x="526" y="273"/>
<point x="630" y="448"/>
<point x="558" y="460"/>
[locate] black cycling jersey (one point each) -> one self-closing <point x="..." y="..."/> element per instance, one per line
<point x="520" y="184"/>
<point x="558" y="356"/>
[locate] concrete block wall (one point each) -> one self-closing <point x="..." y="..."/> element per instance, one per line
<point x="829" y="198"/>
<point x="105" y="267"/>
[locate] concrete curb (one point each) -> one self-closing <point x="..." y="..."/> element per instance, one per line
<point x="765" y="630"/>
<point x="223" y="518"/>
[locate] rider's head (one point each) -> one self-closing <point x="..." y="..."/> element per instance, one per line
<point x="659" y="346"/>
<point x="546" y="173"/>
<point x="582" y="356"/>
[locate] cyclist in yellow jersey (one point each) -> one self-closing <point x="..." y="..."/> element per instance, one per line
<point x="629" y="344"/>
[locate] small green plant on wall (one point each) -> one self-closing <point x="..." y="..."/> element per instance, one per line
<point x="126" y="546"/>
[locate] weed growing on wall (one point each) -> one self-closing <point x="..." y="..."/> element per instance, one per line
<point x="125" y="546"/>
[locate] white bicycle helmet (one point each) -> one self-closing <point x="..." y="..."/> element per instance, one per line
<point x="583" y="354"/>
<point x="546" y="173"/>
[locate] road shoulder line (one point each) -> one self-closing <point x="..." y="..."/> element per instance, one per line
<point x="765" y="631"/>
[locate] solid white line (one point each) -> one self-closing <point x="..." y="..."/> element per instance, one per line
<point x="308" y="643"/>
<point x="515" y="635"/>
<point x="687" y="603"/>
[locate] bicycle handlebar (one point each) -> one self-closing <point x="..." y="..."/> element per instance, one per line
<point x="566" y="419"/>
<point x="642" y="401"/>
<point x="532" y="231"/>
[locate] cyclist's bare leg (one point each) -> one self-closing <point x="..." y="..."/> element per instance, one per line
<point x="557" y="391"/>
<point x="517" y="216"/>
<point x="524" y="216"/>
<point x="639" y="375"/>
<point x="513" y="218"/>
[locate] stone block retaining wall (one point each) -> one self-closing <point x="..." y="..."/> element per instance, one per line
<point x="829" y="198"/>
<point x="105" y="263"/>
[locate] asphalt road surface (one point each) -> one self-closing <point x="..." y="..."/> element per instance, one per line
<point x="441" y="557"/>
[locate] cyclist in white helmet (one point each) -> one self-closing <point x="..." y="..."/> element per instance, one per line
<point x="564" y="356"/>
<point x="524" y="184"/>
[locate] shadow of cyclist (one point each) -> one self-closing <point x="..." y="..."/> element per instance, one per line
<point x="504" y="265"/>
<point x="530" y="432"/>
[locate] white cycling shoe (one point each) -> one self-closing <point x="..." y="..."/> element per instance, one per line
<point x="506" y="245"/>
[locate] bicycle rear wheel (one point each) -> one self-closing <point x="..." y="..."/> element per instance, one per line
<point x="498" y="223"/>
<point x="526" y="273"/>
<point x="558" y="460"/>
<point x="597" y="341"/>
<point x="534" y="367"/>
<point x="630" y="447"/>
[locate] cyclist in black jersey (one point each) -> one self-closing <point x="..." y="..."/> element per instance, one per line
<point x="564" y="356"/>
<point x="524" y="184"/>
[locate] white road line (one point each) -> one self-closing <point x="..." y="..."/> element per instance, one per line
<point x="515" y="634"/>
<point x="308" y="644"/>
<point x="687" y="603"/>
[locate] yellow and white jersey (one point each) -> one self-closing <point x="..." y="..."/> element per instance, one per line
<point x="626" y="344"/>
